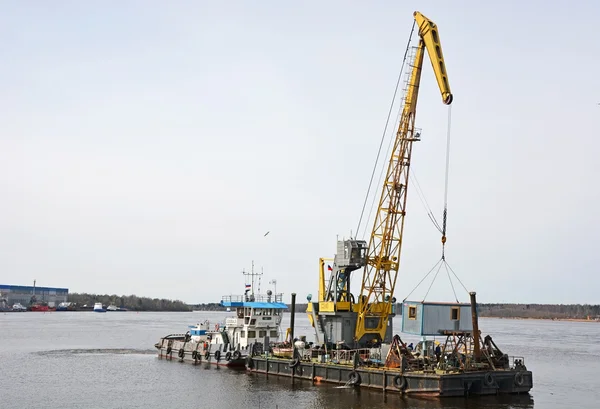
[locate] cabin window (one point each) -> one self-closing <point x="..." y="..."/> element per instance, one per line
<point x="251" y="334"/>
<point x="275" y="312"/>
<point x="274" y="334"/>
<point x="262" y="334"/>
<point x="240" y="313"/>
<point x="243" y="334"/>
<point x="412" y="313"/>
<point x="252" y="321"/>
<point x="258" y="311"/>
<point x="455" y="313"/>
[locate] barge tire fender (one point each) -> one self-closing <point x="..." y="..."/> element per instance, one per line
<point x="237" y="355"/>
<point x="228" y="356"/>
<point x="217" y="355"/>
<point x="206" y="355"/>
<point x="169" y="349"/>
<point x="194" y="354"/>
<point x="354" y="378"/>
<point x="488" y="379"/>
<point x="400" y="382"/>
<point x="519" y="379"/>
<point x="181" y="353"/>
<point x="294" y="363"/>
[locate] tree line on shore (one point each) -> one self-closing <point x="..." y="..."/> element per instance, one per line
<point x="498" y="310"/>
<point x="130" y="302"/>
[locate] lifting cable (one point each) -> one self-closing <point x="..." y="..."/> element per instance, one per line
<point x="385" y="129"/>
<point x="445" y="214"/>
<point x="442" y="261"/>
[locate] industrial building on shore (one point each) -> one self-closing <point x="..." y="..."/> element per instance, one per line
<point x="27" y="295"/>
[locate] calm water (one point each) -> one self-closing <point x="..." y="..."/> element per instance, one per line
<point x="71" y="360"/>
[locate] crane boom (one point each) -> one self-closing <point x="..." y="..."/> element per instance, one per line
<point x="384" y="249"/>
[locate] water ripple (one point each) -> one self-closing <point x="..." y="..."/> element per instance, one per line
<point x="115" y="351"/>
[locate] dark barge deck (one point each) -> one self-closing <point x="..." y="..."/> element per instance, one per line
<point x="431" y="383"/>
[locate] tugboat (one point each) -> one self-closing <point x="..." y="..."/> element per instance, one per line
<point x="98" y="307"/>
<point x="256" y="323"/>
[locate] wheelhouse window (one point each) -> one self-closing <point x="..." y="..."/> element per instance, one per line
<point x="455" y="313"/>
<point x="412" y="312"/>
<point x="273" y="334"/>
<point x="262" y="334"/>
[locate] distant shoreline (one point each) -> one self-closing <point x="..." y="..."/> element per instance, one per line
<point x="543" y="319"/>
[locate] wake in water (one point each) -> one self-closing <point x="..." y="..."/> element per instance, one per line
<point x="116" y="351"/>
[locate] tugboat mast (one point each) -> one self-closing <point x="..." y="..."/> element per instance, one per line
<point x="252" y="276"/>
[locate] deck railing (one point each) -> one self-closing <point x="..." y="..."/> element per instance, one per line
<point x="253" y="298"/>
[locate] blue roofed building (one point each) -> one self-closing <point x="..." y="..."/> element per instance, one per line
<point x="24" y="295"/>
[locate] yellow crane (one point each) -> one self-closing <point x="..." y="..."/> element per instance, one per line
<point x="385" y="244"/>
<point x="337" y="317"/>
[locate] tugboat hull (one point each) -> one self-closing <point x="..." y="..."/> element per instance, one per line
<point x="195" y="353"/>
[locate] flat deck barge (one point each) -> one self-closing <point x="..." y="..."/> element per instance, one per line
<point x="431" y="383"/>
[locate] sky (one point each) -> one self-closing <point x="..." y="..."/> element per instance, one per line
<point x="147" y="148"/>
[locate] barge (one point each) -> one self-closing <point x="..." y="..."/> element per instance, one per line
<point x="354" y="337"/>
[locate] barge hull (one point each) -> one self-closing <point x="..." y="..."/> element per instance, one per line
<point x="409" y="383"/>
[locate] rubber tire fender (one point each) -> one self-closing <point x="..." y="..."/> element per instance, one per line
<point x="400" y="382"/>
<point x="228" y="356"/>
<point x="218" y="355"/>
<point x="488" y="379"/>
<point x="354" y="378"/>
<point x="206" y="355"/>
<point x="169" y="350"/>
<point x="294" y="362"/>
<point x="519" y="379"/>
<point x="237" y="355"/>
<point x="181" y="353"/>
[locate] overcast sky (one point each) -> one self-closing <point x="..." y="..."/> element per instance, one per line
<point x="147" y="148"/>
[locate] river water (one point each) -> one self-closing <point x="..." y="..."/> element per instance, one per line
<point x="84" y="360"/>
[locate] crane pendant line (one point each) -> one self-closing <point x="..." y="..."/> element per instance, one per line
<point x="385" y="244"/>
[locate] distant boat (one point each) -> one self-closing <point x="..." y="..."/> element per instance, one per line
<point x="98" y="307"/>
<point x="115" y="308"/>
<point x="18" y="307"/>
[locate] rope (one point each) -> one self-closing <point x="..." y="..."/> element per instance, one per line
<point x="421" y="196"/>
<point x="423" y="279"/>
<point x="445" y="215"/>
<point x="450" y="279"/>
<point x="388" y="150"/>
<point x="433" y="281"/>
<point x="463" y="286"/>
<point x="385" y="128"/>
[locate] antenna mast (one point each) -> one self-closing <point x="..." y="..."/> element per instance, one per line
<point x="252" y="275"/>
